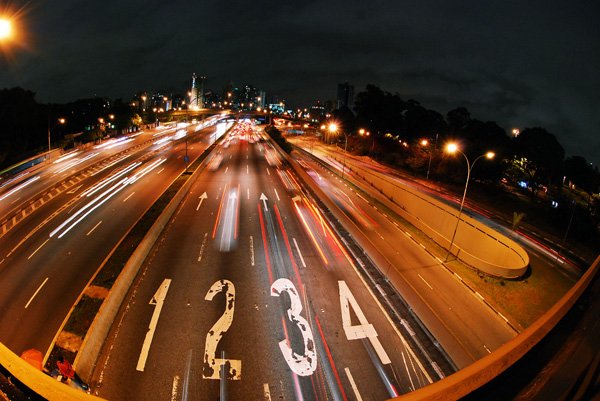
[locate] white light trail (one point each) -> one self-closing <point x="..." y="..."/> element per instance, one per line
<point x="110" y="179"/>
<point x="19" y="187"/>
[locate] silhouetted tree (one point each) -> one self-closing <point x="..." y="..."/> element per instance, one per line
<point x="23" y="124"/>
<point x="542" y="149"/>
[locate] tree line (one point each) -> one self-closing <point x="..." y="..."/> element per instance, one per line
<point x="406" y="134"/>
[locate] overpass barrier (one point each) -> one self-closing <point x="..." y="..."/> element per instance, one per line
<point x="475" y="243"/>
<point x="38" y="381"/>
<point x="489" y="367"/>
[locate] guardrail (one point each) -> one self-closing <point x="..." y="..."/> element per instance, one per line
<point x="484" y="370"/>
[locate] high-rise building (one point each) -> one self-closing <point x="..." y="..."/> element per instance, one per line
<point x="197" y="92"/>
<point x="345" y="96"/>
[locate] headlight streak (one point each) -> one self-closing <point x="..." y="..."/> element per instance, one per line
<point x="110" y="179"/>
<point x="110" y="165"/>
<point x="104" y="196"/>
<point x="113" y="142"/>
<point x="19" y="187"/>
<point x="75" y="162"/>
<point x="66" y="157"/>
<point x="310" y="233"/>
<point x="108" y="193"/>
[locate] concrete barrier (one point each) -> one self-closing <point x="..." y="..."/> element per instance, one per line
<point x="475" y="244"/>
<point x="484" y="370"/>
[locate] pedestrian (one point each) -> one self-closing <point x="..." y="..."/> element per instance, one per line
<point x="66" y="370"/>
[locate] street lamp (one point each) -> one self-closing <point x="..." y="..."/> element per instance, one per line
<point x="425" y="143"/>
<point x="5" y="28"/>
<point x="61" y="121"/>
<point x="452" y="148"/>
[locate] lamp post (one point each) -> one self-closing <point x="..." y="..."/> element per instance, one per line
<point x="425" y="142"/>
<point x="453" y="148"/>
<point x="61" y="121"/>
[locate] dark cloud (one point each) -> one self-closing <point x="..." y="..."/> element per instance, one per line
<point x="518" y="63"/>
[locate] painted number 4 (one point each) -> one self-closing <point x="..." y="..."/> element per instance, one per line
<point x="364" y="329"/>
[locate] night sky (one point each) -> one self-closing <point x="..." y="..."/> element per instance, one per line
<point x="520" y="63"/>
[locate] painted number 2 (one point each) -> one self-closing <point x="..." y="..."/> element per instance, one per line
<point x="212" y="365"/>
<point x="306" y="364"/>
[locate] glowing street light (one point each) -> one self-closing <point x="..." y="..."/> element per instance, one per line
<point x="5" y="28"/>
<point x="452" y="148"/>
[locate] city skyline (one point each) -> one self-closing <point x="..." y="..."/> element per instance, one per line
<point x="519" y="65"/>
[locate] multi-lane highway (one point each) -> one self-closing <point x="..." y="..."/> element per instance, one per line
<point x="248" y="273"/>
<point x="248" y="277"/>
<point x="70" y="217"/>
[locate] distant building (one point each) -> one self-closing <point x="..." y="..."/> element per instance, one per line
<point x="345" y="96"/>
<point x="317" y="111"/>
<point x="197" y="92"/>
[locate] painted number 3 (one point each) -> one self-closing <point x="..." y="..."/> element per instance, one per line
<point x="305" y="364"/>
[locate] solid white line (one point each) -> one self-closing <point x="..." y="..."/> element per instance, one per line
<point x="158" y="172"/>
<point x="353" y="384"/>
<point x="129" y="196"/>
<point x="89" y="232"/>
<point x="36" y="292"/>
<point x="299" y="253"/>
<point x="412" y="385"/>
<point x="276" y="194"/>
<point x="267" y="392"/>
<point x="174" y="388"/>
<point x="425" y="281"/>
<point x="39" y="247"/>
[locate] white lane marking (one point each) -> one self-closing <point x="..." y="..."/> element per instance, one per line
<point x="353" y="384"/>
<point x="96" y="226"/>
<point x="158" y="172"/>
<point x="299" y="253"/>
<point x="38" y="248"/>
<point x="226" y="169"/>
<point x="251" y="250"/>
<point x="267" y="392"/>
<point x="248" y="192"/>
<point x="202" y="247"/>
<point x="276" y="194"/>
<point x="201" y="197"/>
<point x="174" y="388"/>
<point x="36" y="292"/>
<point x="425" y="281"/>
<point x="268" y="172"/>
<point x="412" y="385"/>
<point x="158" y="299"/>
<point x="128" y="196"/>
<point x="487" y="349"/>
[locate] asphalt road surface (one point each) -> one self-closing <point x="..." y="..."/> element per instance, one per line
<point x="248" y="278"/>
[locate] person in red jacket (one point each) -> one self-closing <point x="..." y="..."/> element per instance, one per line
<point x="66" y="370"/>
